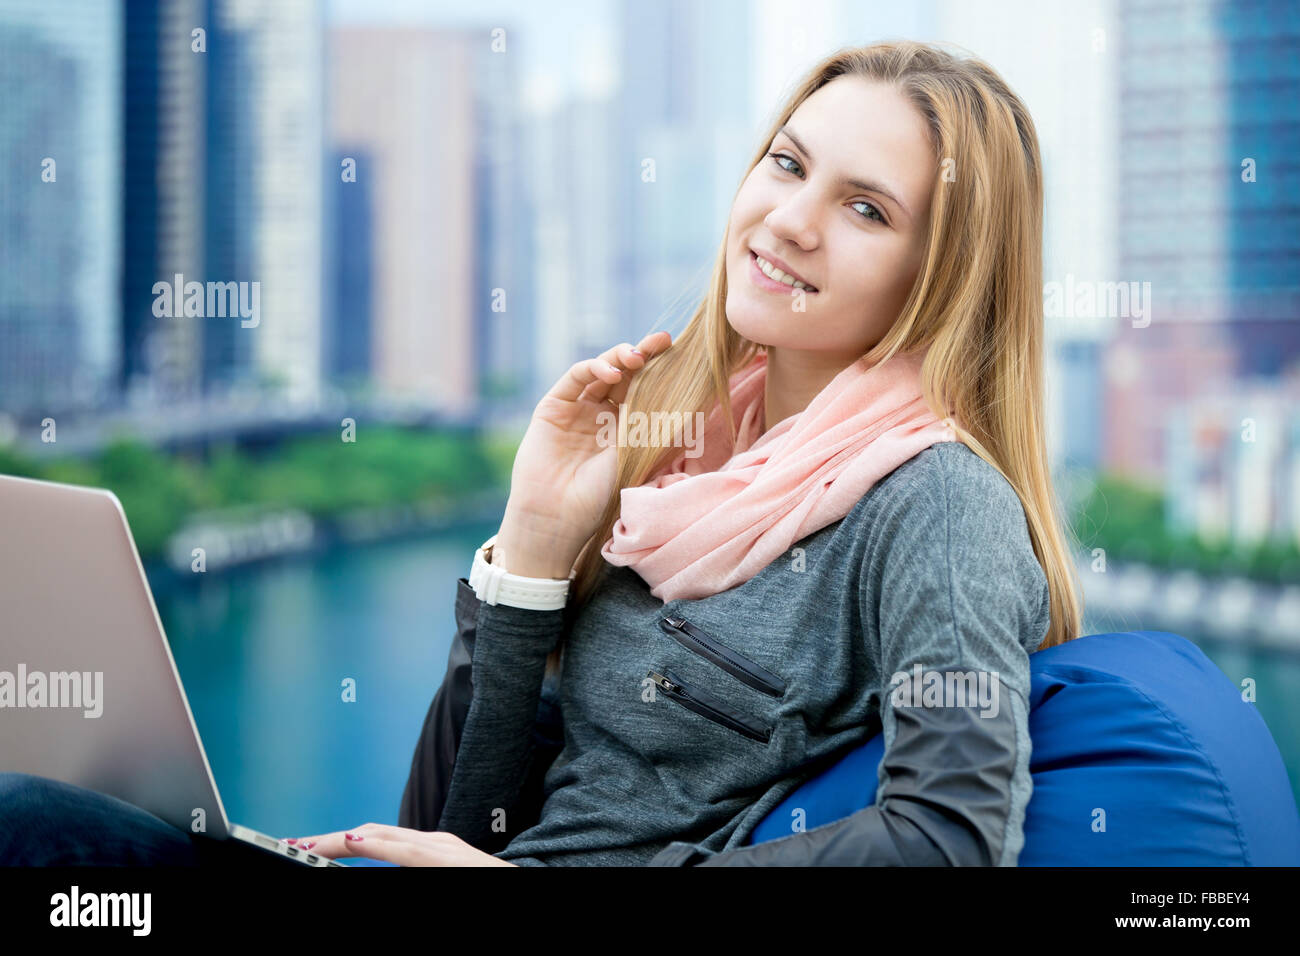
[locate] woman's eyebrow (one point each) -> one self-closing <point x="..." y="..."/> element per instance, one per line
<point x="856" y="183"/>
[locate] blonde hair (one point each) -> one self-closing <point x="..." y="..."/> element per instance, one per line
<point x="976" y="303"/>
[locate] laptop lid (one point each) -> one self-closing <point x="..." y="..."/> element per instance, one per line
<point x="89" y="691"/>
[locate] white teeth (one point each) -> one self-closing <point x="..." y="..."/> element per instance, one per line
<point x="772" y="272"/>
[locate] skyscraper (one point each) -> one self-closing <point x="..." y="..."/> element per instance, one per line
<point x="60" y="204"/>
<point x="1208" y="211"/>
<point x="265" y="157"/>
<point x="162" y="197"/>
<point x="402" y="103"/>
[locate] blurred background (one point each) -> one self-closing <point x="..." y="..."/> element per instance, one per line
<point x="407" y="219"/>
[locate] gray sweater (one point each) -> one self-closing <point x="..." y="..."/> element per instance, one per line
<point x="685" y="723"/>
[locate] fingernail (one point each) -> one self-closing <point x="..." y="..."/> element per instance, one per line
<point x="351" y="837"/>
<point x="294" y="840"/>
<point x="637" y="352"/>
<point x="614" y="367"/>
<point x="308" y="846"/>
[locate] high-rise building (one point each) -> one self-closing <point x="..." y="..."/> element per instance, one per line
<point x="350" y="240"/>
<point x="230" y="189"/>
<point x="402" y="102"/>
<point x="60" y="204"/>
<point x="265" y="194"/>
<point x="162" y="197"/>
<point x="1209" y="210"/>
<point x="504" y="302"/>
<point x="290" y="127"/>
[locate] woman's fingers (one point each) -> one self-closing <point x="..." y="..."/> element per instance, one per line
<point x="581" y="375"/>
<point x="649" y="347"/>
<point x="342" y="842"/>
<point x="593" y="378"/>
<point x="401" y="852"/>
<point x="630" y="358"/>
<point x="400" y="845"/>
<point x="621" y="357"/>
<point x="324" y="844"/>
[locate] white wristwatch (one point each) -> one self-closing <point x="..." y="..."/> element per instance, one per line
<point x="495" y="585"/>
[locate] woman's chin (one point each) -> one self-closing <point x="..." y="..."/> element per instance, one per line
<point x="765" y="330"/>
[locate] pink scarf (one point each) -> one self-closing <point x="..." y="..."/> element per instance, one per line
<point x="704" y="525"/>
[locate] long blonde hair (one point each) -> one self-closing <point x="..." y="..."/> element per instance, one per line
<point x="977" y="302"/>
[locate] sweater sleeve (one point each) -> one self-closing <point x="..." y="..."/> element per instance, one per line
<point x="961" y="597"/>
<point x="435" y="751"/>
<point x="497" y="745"/>
<point x="962" y="601"/>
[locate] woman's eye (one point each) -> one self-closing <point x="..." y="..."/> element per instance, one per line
<point x="777" y="157"/>
<point x="878" y="215"/>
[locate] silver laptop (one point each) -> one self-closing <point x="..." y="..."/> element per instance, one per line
<point x="89" y="692"/>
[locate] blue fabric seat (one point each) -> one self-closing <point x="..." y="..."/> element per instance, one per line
<point x="1140" y="724"/>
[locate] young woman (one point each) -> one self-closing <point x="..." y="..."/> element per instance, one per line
<point x="871" y="525"/>
<point x="657" y="647"/>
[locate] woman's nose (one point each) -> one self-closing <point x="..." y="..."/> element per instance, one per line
<point x="794" y="221"/>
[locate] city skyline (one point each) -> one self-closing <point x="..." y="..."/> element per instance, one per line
<point x="426" y="224"/>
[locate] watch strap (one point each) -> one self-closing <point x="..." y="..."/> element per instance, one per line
<point x="495" y="585"/>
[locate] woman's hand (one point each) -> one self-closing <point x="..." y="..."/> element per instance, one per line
<point x="562" y="476"/>
<point x="399" y="845"/>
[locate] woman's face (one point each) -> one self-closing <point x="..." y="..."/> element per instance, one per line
<point x="859" y="244"/>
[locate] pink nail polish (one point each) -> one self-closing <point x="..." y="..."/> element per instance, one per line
<point x="294" y="840"/>
<point x="637" y="352"/>
<point x="349" y="836"/>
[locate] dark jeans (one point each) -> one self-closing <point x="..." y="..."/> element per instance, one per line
<point x="45" y="822"/>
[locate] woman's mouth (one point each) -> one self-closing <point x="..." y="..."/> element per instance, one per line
<point x="766" y="282"/>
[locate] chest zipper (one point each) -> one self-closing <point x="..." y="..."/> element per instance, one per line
<point x="706" y="705"/>
<point x="742" y="668"/>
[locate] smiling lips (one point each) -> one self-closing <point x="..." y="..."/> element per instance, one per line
<point x="772" y="270"/>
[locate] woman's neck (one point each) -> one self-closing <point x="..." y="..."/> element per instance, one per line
<point x="794" y="378"/>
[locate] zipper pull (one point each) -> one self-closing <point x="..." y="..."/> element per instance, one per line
<point x="674" y="622"/>
<point x="661" y="680"/>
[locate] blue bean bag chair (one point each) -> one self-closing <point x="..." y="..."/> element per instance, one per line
<point x="1141" y="724"/>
